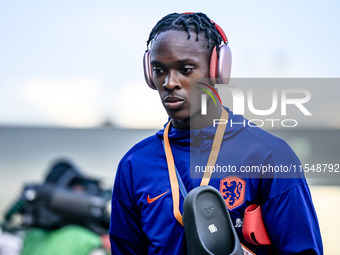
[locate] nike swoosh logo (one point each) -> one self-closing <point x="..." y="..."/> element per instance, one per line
<point x="150" y="200"/>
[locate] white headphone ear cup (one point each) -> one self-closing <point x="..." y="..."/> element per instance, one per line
<point x="224" y="65"/>
<point x="148" y="69"/>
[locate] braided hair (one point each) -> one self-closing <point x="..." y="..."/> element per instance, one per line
<point x="195" y="22"/>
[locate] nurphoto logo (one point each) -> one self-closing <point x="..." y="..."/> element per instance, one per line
<point x="242" y="102"/>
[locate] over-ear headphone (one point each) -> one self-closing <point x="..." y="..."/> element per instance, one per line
<point x="220" y="62"/>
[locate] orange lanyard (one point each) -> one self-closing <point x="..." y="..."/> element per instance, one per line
<point x="215" y="149"/>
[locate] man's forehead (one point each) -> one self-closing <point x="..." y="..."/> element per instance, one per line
<point x="179" y="39"/>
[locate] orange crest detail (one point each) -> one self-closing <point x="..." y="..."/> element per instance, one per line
<point x="233" y="190"/>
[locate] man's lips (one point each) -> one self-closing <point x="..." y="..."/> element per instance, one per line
<point x="173" y="102"/>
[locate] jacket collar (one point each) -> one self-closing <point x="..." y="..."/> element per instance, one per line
<point x="204" y="137"/>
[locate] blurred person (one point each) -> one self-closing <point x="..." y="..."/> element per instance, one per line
<point x="146" y="214"/>
<point x="64" y="215"/>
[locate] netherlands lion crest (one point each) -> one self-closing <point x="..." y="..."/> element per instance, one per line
<point x="233" y="189"/>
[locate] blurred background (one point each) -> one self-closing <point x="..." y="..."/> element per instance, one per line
<point x="72" y="84"/>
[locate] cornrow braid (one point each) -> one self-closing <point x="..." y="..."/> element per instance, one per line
<point x="197" y="22"/>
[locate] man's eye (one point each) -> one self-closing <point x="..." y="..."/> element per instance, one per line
<point x="158" y="70"/>
<point x="187" y="70"/>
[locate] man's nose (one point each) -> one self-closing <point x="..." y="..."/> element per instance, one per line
<point x="172" y="80"/>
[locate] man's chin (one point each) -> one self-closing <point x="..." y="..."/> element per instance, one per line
<point x="178" y="114"/>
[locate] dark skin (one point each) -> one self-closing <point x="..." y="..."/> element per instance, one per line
<point x="176" y="61"/>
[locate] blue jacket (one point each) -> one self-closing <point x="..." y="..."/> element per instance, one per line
<point x="141" y="224"/>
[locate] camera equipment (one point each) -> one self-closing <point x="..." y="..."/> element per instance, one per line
<point x="65" y="198"/>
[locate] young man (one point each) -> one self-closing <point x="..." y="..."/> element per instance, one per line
<point x="144" y="217"/>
